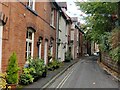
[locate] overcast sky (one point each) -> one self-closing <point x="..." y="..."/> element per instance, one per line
<point x="73" y="10"/>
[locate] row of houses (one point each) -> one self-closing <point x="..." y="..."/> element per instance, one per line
<point x="37" y="29"/>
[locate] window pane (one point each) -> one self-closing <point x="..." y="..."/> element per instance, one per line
<point x="29" y="43"/>
<point x="30" y="47"/>
<point x="26" y="50"/>
<point x="27" y="34"/>
<point x="26" y="55"/>
<point x="52" y="17"/>
<point x="26" y="46"/>
<point x="29" y="54"/>
<point x="31" y="4"/>
<point x="30" y="35"/>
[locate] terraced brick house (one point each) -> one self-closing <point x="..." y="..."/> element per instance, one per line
<point x="33" y="29"/>
<point x="29" y="29"/>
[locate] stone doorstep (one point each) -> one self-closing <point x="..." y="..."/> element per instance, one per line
<point x="110" y="71"/>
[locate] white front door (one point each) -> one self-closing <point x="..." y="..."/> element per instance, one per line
<point x="59" y="52"/>
<point x="1" y="31"/>
<point x="40" y="51"/>
<point x="45" y="53"/>
<point x="51" y="50"/>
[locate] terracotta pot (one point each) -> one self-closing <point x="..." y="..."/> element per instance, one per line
<point x="12" y="86"/>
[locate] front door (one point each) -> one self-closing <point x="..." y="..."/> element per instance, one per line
<point x="45" y="52"/>
<point x="40" y="51"/>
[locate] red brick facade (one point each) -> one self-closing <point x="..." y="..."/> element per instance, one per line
<point x="78" y="42"/>
<point x="14" y="32"/>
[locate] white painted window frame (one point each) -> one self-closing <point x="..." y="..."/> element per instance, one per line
<point x="52" y="17"/>
<point x="30" y="41"/>
<point x="51" y="50"/>
<point x="33" y="4"/>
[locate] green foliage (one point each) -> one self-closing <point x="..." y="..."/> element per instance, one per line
<point x="113" y="38"/>
<point x="34" y="71"/>
<point x="26" y="77"/>
<point x="98" y="7"/>
<point x="104" y="43"/>
<point x="54" y="65"/>
<point x="99" y="18"/>
<point x="39" y="67"/>
<point x="68" y="56"/>
<point x="12" y="70"/>
<point x="114" y="45"/>
<point x="115" y="54"/>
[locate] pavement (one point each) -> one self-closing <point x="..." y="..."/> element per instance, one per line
<point x="51" y="76"/>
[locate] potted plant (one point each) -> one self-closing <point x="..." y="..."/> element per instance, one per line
<point x="68" y="56"/>
<point x="12" y="71"/>
<point x="3" y="81"/>
<point x="44" y="71"/>
<point x="49" y="55"/>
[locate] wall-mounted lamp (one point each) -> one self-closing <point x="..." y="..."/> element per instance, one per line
<point x="39" y="41"/>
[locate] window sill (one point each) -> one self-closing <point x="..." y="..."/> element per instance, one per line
<point x="33" y="11"/>
<point x="52" y="26"/>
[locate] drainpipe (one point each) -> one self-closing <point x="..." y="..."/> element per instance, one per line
<point x="57" y="34"/>
<point x="118" y="39"/>
<point x="119" y="13"/>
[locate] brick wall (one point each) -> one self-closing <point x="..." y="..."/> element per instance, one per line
<point x="14" y="33"/>
<point x="109" y="62"/>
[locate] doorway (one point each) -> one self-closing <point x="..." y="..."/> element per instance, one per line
<point x="45" y="52"/>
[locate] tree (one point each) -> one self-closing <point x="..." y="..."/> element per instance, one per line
<point x="99" y="17"/>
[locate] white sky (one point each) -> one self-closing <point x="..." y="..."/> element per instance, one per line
<point x="72" y="9"/>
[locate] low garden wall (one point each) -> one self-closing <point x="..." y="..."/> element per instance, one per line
<point x="109" y="62"/>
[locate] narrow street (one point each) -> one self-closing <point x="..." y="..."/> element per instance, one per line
<point x="85" y="74"/>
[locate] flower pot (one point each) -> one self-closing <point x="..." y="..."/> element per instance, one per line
<point x="12" y="86"/>
<point x="44" y="74"/>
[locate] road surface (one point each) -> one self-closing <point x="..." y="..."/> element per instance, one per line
<point x="85" y="74"/>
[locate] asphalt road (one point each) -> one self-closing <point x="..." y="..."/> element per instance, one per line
<point x="85" y="74"/>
